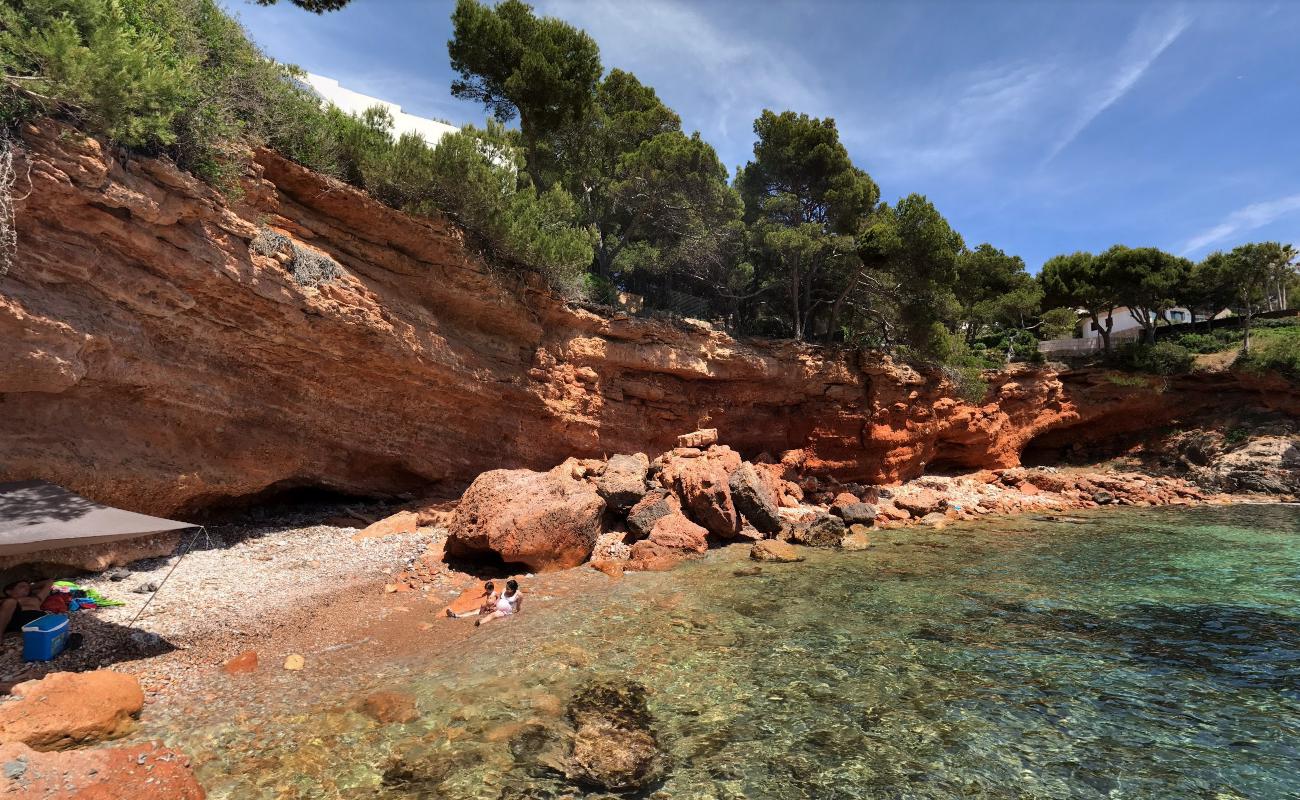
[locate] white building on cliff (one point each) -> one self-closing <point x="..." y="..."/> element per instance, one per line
<point x="352" y="102"/>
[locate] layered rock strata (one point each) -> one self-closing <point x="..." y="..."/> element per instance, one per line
<point x="168" y="349"/>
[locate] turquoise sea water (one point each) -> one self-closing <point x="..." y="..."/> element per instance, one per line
<point x="1142" y="654"/>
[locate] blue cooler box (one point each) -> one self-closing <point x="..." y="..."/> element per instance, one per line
<point x="44" y="638"/>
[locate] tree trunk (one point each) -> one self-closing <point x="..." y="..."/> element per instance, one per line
<point x="1245" y="344"/>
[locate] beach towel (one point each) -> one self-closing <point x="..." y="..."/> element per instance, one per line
<point x="94" y="596"/>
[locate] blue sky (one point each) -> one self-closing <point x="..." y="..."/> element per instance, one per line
<point x="1040" y="126"/>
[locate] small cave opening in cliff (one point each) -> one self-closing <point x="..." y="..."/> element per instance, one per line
<point x="1077" y="445"/>
<point x="290" y="498"/>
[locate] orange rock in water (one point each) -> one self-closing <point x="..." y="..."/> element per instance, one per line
<point x="70" y="708"/>
<point x="390" y="707"/>
<point x="147" y="771"/>
<point x="243" y="663"/>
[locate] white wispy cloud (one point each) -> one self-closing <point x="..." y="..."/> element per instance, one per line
<point x="1252" y="217"/>
<point x="1152" y="37"/>
<point x="719" y="77"/>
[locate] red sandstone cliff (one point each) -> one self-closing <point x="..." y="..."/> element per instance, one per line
<point x="149" y="358"/>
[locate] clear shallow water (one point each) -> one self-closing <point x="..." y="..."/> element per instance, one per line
<point x="1146" y="654"/>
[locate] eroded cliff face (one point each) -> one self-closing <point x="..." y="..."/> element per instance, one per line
<point x="150" y="358"/>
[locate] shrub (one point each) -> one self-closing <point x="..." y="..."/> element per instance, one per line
<point x="1278" y="350"/>
<point x="1199" y="343"/>
<point x="1163" y="358"/>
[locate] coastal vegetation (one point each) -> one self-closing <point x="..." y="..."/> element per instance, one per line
<point x="599" y="188"/>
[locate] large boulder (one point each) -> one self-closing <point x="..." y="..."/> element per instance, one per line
<point x="679" y="533"/>
<point x="643" y="516"/>
<point x="921" y="502"/>
<point x="64" y="709"/>
<point x="1268" y="465"/>
<point x="542" y="520"/>
<point x="673" y="539"/>
<point x="146" y="771"/>
<point x="623" y="482"/>
<point x="821" y="530"/>
<point x="703" y="484"/>
<point x="855" y="513"/>
<point x="615" y="748"/>
<point x="755" y="499"/>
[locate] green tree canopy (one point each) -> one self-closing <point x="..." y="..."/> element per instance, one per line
<point x="1248" y="272"/>
<point x="805" y="201"/>
<point x="923" y="261"/>
<point x="1145" y="279"/>
<point x="1078" y="281"/>
<point x="315" y="6"/>
<point x="513" y="62"/>
<point x="994" y="289"/>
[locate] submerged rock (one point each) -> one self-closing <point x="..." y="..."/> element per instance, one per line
<point x="543" y="520"/>
<point x="614" y="747"/>
<point x="776" y="551"/>
<point x="390" y="707"/>
<point x="147" y="771"/>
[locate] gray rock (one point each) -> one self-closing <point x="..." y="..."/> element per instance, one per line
<point x="755" y="499"/>
<point x="855" y="513"/>
<point x="824" y="530"/>
<point x="623" y="482"/>
<point x="1103" y="498"/>
<point x="643" y="516"/>
<point x="146" y="588"/>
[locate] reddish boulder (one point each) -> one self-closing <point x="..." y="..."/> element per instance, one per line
<point x="673" y="539"/>
<point x="844" y="499"/>
<point x="703" y="485"/>
<point x="147" y="771"/>
<point x="921" y="502"/>
<point x="70" y="708"/>
<point x="543" y="520"/>
<point x="648" y="556"/>
<point x="679" y="533"/>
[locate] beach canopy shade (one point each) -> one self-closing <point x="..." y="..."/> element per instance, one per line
<point x="35" y="515"/>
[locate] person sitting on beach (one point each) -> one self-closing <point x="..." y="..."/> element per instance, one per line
<point x="486" y="603"/>
<point x="507" y="604"/>
<point x="22" y="604"/>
